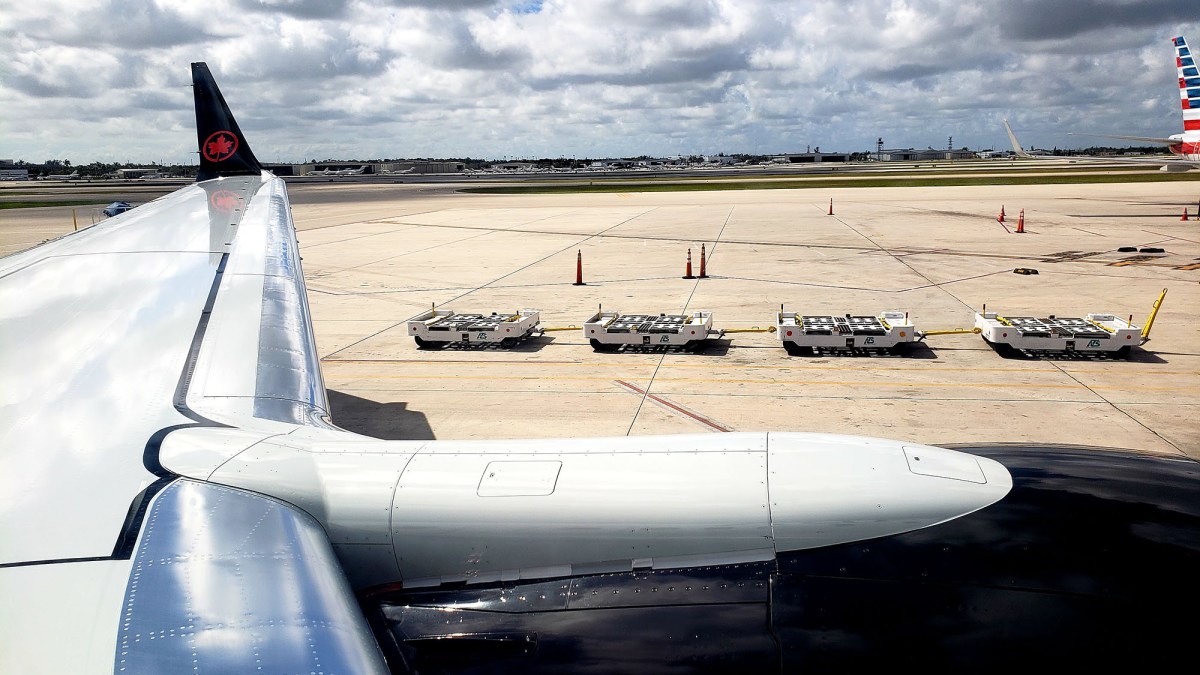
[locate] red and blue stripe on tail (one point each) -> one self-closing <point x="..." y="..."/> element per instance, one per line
<point x="1189" y="85"/>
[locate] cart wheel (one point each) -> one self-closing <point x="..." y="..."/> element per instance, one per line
<point x="599" y="346"/>
<point x="898" y="349"/>
<point x="425" y="344"/>
<point x="1123" y="352"/>
<point x="794" y="349"/>
<point x="508" y="343"/>
<point x="1005" y="350"/>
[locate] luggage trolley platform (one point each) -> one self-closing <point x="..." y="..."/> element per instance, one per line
<point x="441" y="327"/>
<point x="608" y="331"/>
<point x="805" y="334"/>
<point x="1102" y="333"/>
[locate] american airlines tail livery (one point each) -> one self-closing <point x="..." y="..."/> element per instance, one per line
<point x="1186" y="144"/>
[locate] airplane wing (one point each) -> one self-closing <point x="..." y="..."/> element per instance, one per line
<point x="1142" y="139"/>
<point x="1167" y="164"/>
<point x="185" y="313"/>
<point x="176" y="499"/>
<point x="1183" y="145"/>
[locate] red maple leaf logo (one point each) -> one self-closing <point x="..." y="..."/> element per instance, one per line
<point x="219" y="146"/>
<point x="224" y="200"/>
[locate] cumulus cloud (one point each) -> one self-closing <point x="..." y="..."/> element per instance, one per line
<point x="494" y="78"/>
<point x="300" y="9"/>
<point x="123" y="25"/>
<point x="1043" y="20"/>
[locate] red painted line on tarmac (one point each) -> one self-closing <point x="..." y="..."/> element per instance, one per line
<point x="679" y="409"/>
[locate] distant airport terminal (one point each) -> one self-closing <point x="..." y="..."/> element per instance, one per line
<point x="645" y="163"/>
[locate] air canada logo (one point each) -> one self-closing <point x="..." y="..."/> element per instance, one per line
<point x="224" y="200"/>
<point x="219" y="146"/>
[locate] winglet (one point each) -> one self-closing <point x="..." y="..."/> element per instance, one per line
<point x="1015" y="143"/>
<point x="223" y="149"/>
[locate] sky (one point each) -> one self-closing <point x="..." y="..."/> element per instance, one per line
<point x="108" y="80"/>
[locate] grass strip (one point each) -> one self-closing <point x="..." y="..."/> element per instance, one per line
<point x="39" y="205"/>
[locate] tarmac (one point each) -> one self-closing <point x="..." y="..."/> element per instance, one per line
<point x="376" y="254"/>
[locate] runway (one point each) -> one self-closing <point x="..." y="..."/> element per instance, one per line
<point x="376" y="254"/>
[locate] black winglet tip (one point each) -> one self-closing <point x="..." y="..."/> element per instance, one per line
<point x="223" y="149"/>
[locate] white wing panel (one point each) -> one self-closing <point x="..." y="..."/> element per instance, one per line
<point x="139" y="230"/>
<point x="61" y="618"/>
<point x="92" y="346"/>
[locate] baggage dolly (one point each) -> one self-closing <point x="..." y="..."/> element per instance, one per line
<point x="1095" y="333"/>
<point x="441" y="327"/>
<point x="806" y="334"/>
<point x="609" y="331"/>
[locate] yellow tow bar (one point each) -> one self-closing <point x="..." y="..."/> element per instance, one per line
<point x="949" y="331"/>
<point x="756" y="329"/>
<point x="1153" y="313"/>
<point x="554" y="328"/>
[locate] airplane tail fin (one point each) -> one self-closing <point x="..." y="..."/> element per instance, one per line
<point x="1189" y="85"/>
<point x="223" y="150"/>
<point x="1015" y="143"/>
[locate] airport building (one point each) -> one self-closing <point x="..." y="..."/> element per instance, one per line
<point x="812" y="157"/>
<point x="133" y="174"/>
<point x="516" y="166"/>
<point x="927" y="155"/>
<point x="365" y="168"/>
<point x="9" y="171"/>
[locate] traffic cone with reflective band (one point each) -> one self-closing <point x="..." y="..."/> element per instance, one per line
<point x="703" y="275"/>
<point x="1021" y="222"/>
<point x="688" y="275"/>
<point x="831" y="206"/>
<point x="1000" y="218"/>
<point x="1184" y="216"/>
<point x="579" y="269"/>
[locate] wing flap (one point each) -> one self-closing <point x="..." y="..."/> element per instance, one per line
<point x="259" y="358"/>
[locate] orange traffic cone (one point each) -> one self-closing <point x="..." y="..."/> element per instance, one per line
<point x="579" y="269"/>
<point x="703" y="275"/>
<point x="1021" y="222"/>
<point x="689" y="266"/>
<point x="1184" y="217"/>
<point x="1000" y="217"/>
<point x="831" y="206"/>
